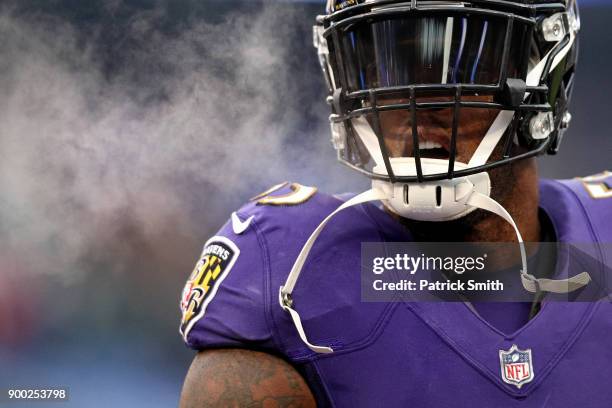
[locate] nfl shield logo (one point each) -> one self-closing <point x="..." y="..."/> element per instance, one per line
<point x="516" y="366"/>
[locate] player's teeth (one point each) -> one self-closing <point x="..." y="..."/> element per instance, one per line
<point x="428" y="144"/>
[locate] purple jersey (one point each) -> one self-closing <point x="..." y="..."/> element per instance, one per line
<point x="397" y="354"/>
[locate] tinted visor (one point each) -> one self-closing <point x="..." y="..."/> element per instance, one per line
<point x="434" y="49"/>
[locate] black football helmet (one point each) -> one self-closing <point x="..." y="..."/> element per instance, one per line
<point x="514" y="57"/>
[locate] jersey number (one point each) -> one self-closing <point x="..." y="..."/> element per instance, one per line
<point x="598" y="185"/>
<point x="298" y="194"/>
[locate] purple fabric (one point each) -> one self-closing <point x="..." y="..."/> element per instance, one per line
<point x="507" y="317"/>
<point x="407" y="354"/>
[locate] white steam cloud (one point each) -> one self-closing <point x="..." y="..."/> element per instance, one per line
<point x="186" y="123"/>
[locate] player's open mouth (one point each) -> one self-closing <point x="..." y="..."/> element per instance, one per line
<point x="430" y="149"/>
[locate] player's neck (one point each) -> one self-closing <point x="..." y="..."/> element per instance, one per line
<point x="519" y="184"/>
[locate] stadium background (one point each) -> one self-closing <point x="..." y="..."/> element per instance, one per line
<point x="128" y="132"/>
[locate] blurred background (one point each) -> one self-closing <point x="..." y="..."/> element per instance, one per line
<point x="129" y="131"/>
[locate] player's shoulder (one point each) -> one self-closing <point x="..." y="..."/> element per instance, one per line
<point x="286" y="208"/>
<point x="230" y="298"/>
<point x="581" y="201"/>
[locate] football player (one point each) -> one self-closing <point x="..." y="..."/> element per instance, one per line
<point x="444" y="105"/>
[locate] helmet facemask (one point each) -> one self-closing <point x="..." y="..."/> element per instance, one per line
<point x="423" y="94"/>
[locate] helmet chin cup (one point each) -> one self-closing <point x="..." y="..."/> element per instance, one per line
<point x="441" y="200"/>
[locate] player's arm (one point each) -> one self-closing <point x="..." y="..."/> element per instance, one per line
<point x="243" y="378"/>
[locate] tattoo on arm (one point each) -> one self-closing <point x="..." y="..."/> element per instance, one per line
<point x="243" y="378"/>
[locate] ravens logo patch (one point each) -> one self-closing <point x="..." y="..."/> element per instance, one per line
<point x="217" y="259"/>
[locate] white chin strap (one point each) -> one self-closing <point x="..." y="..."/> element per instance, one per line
<point x="442" y="200"/>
